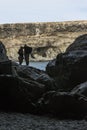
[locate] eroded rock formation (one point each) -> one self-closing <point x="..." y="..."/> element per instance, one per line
<point x="70" y="68"/>
<point x="47" y="39"/>
<point x="61" y="92"/>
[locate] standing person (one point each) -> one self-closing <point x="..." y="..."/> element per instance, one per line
<point x="27" y="51"/>
<point x="20" y="57"/>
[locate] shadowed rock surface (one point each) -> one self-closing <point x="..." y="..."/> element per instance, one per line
<point x="64" y="104"/>
<point x="70" y="68"/>
<point x="27" y="89"/>
<point x="80" y="43"/>
<point x="3" y="53"/>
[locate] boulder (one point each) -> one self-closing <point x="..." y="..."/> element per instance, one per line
<point x="63" y="104"/>
<point x="36" y="75"/>
<point x="19" y="94"/>
<point x="80" y="43"/>
<point x="80" y="89"/>
<point x="3" y="53"/>
<point x="60" y="91"/>
<point x="21" y="89"/>
<point x="70" y="68"/>
<point x="5" y="63"/>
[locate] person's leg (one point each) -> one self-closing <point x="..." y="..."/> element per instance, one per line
<point x="27" y="59"/>
<point x="20" y="60"/>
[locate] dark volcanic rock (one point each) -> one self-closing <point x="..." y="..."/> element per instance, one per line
<point x="3" y="55"/>
<point x="70" y="68"/>
<point x="63" y="104"/>
<point x="36" y="75"/>
<point x="19" y="94"/>
<point x="5" y="63"/>
<point x="27" y="89"/>
<point x="80" y="43"/>
<point x="80" y="89"/>
<point x="25" y="85"/>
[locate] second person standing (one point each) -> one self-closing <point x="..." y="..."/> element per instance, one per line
<point x="27" y="52"/>
<point x="24" y="53"/>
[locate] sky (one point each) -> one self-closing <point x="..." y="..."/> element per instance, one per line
<point x="26" y="11"/>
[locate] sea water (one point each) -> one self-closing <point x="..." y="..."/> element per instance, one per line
<point x="38" y="65"/>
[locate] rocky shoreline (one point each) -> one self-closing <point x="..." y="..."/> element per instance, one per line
<point x="59" y="93"/>
<point x="58" y="90"/>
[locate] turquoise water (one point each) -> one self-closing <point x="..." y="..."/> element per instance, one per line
<point x="38" y="65"/>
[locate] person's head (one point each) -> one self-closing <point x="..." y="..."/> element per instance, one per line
<point x="21" y="47"/>
<point x="1" y="42"/>
<point x="25" y="45"/>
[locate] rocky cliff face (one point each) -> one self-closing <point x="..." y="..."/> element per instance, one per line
<point x="47" y="39"/>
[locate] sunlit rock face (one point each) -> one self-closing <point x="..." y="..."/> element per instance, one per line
<point x="47" y="39"/>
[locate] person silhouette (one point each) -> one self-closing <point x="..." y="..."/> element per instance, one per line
<point x="27" y="52"/>
<point x="20" y="57"/>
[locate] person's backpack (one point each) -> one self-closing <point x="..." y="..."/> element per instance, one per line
<point x="30" y="49"/>
<point x="20" y="52"/>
